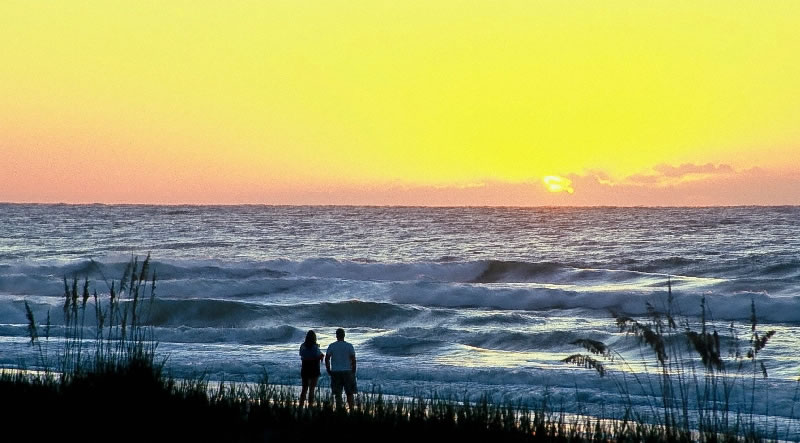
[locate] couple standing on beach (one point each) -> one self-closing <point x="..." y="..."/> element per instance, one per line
<point x="340" y="362"/>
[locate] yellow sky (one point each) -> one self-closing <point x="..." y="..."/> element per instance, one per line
<point x="276" y="101"/>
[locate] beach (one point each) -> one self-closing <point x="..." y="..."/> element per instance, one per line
<point x="436" y="301"/>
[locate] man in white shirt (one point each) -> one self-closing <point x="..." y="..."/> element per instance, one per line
<point x="340" y="361"/>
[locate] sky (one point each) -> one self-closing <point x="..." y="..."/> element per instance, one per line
<point x="521" y="103"/>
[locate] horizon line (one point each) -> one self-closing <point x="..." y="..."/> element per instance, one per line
<point x="335" y="205"/>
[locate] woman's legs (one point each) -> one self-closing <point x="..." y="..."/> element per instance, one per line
<point x="312" y="385"/>
<point x="304" y="390"/>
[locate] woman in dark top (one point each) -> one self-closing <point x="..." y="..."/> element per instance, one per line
<point x="311" y="356"/>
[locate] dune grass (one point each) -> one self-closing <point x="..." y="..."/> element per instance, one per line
<point x="699" y="390"/>
<point x="116" y="387"/>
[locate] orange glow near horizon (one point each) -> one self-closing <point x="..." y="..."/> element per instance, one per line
<point x="511" y="103"/>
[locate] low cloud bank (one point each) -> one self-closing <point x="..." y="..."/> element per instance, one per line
<point x="663" y="185"/>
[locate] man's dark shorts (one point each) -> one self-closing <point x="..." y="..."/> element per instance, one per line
<point x="343" y="379"/>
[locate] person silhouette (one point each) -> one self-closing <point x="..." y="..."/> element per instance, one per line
<point x="340" y="362"/>
<point x="310" y="357"/>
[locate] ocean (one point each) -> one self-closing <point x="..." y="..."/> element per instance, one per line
<point x="453" y="301"/>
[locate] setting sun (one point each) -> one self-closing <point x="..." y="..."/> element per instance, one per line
<point x="555" y="183"/>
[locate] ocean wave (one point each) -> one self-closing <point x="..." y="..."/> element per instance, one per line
<point x="416" y="340"/>
<point x="228" y="313"/>
<point x="247" y="336"/>
<point x="666" y="265"/>
<point x="446" y="269"/>
<point x="735" y="306"/>
<point x="501" y="319"/>
<point x="221" y="313"/>
<point x="400" y="345"/>
<point x="480" y="284"/>
<point x="788" y="269"/>
<point x="512" y="271"/>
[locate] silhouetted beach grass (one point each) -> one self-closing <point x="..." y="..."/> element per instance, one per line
<point x="118" y="388"/>
<point x="139" y="403"/>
